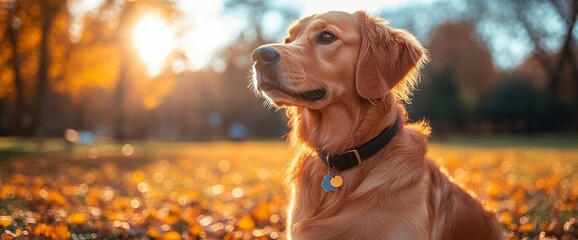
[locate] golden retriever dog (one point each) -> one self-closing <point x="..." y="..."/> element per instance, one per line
<point x="360" y="170"/>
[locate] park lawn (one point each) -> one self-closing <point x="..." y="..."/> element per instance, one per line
<point x="235" y="190"/>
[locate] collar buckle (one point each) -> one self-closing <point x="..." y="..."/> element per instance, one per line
<point x="356" y="155"/>
<point x="343" y="161"/>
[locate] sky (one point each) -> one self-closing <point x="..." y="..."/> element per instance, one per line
<point x="206" y="18"/>
<point x="372" y="6"/>
<point x="208" y="28"/>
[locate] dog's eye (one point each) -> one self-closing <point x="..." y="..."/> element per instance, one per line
<point x="326" y="37"/>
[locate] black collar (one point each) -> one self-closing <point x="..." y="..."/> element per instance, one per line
<point x="354" y="157"/>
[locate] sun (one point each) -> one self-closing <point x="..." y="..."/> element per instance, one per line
<point x="154" y="41"/>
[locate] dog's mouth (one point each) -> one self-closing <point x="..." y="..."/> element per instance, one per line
<point x="311" y="95"/>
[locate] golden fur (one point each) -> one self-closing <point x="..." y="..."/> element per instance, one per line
<point x="367" y="72"/>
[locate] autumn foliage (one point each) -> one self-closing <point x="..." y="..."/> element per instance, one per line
<point x="236" y="190"/>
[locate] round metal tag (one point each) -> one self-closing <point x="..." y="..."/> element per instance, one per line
<point x="336" y="181"/>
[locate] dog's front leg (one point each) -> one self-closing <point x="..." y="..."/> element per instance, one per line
<point x="306" y="193"/>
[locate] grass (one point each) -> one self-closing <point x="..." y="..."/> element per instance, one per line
<point x="227" y="190"/>
<point x="500" y="141"/>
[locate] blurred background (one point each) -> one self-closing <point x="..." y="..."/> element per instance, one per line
<point x="179" y="70"/>
<point x="116" y="115"/>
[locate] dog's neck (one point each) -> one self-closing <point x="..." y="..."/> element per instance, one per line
<point x="341" y="126"/>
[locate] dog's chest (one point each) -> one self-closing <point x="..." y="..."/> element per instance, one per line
<point x="365" y="221"/>
<point x="343" y="215"/>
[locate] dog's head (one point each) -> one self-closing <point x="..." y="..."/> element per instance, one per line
<point x="334" y="56"/>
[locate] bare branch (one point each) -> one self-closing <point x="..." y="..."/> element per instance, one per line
<point x="565" y="51"/>
<point x="541" y="54"/>
<point x="558" y="6"/>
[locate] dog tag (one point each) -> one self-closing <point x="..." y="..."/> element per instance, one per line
<point x="336" y="181"/>
<point x="326" y="183"/>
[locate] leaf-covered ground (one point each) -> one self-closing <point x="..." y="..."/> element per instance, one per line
<point x="235" y="190"/>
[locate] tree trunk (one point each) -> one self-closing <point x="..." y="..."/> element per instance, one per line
<point x="119" y="99"/>
<point x="81" y="112"/>
<point x="43" y="66"/>
<point x="20" y="109"/>
<point x="565" y="51"/>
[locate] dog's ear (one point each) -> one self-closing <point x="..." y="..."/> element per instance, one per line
<point x="386" y="56"/>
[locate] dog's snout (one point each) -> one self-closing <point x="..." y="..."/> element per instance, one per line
<point x="265" y="57"/>
<point x="265" y="54"/>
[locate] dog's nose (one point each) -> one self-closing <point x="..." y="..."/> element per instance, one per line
<point x="265" y="57"/>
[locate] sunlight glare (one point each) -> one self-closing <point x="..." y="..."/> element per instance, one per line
<point x="154" y="41"/>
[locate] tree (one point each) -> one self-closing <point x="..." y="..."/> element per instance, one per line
<point x="541" y="31"/>
<point x="255" y="12"/>
<point x="455" y="45"/>
<point x="554" y="48"/>
<point x="515" y="105"/>
<point x="41" y="61"/>
<point x="31" y="28"/>
<point x="12" y="25"/>
<point x="51" y="11"/>
<point x="238" y="104"/>
<point x="460" y="73"/>
<point x="125" y="14"/>
<point x="437" y="100"/>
